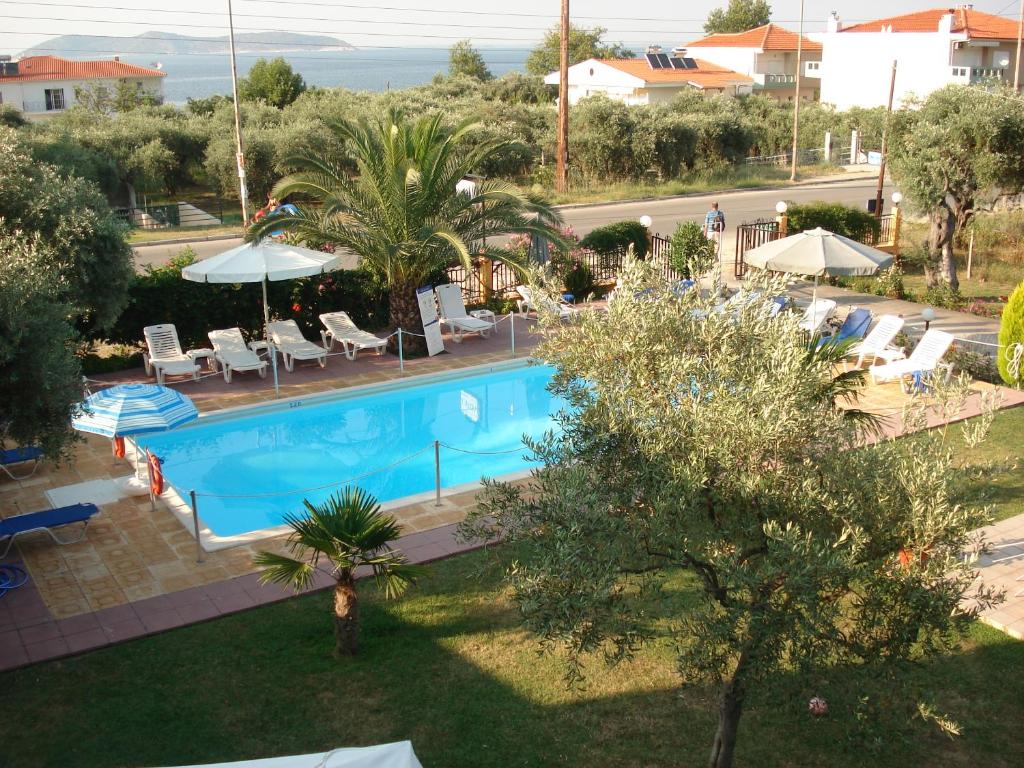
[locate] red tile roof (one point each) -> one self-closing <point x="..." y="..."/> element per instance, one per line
<point x="965" y="20"/>
<point x="33" y="68"/>
<point x="706" y="75"/>
<point x="770" y="37"/>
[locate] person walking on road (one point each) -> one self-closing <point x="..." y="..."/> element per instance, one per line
<point x="714" y="222"/>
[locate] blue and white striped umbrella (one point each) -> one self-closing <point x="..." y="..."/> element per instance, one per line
<point x="133" y="409"/>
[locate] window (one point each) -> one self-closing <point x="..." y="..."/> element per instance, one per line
<point x="54" y="99"/>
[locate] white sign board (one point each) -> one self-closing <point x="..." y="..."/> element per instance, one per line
<point x="431" y="322"/>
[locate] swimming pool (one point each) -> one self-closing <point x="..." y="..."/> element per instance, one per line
<point x="246" y="466"/>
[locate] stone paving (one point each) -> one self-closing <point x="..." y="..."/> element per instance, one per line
<point x="1003" y="568"/>
<point x="135" y="572"/>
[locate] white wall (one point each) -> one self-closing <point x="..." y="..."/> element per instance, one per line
<point x="856" y="66"/>
<point x="30" y="97"/>
<point x="737" y="59"/>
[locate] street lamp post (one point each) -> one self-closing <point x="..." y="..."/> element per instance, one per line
<point x="796" y="98"/>
<point x="240" y="156"/>
<point x="928" y="315"/>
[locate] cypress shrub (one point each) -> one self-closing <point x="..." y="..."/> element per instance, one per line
<point x="1011" y="331"/>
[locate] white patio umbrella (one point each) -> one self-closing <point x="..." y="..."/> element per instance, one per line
<point x="258" y="263"/>
<point x="818" y="252"/>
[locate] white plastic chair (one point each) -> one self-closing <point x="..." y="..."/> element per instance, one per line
<point x="338" y="326"/>
<point x="816" y="314"/>
<point x="294" y="346"/>
<point x="454" y="315"/>
<point x="531" y="302"/>
<point x="163" y="353"/>
<point x="923" y="360"/>
<point x="877" y="343"/>
<point x="230" y="351"/>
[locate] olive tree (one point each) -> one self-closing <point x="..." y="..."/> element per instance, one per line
<point x="583" y="44"/>
<point x="739" y="16"/>
<point x="718" y="444"/>
<point x="955" y="154"/>
<point x="272" y="81"/>
<point x="464" y="59"/>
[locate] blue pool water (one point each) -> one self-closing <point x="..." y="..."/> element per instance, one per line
<point x="329" y="442"/>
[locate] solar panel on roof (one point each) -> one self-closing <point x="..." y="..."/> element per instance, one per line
<point x="677" y="63"/>
<point x="663" y="60"/>
<point x="690" y="63"/>
<point x="653" y="61"/>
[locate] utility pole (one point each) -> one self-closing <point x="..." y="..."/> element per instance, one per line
<point x="885" y="144"/>
<point x="796" y="97"/>
<point x="562" y="162"/>
<point x="1020" y="34"/>
<point x="240" y="147"/>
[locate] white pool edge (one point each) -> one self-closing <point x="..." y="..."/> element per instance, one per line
<point x="181" y="507"/>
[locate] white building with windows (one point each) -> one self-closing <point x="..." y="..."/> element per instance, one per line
<point x="651" y="80"/>
<point x="42" y="86"/>
<point x="767" y="55"/>
<point x="932" y="49"/>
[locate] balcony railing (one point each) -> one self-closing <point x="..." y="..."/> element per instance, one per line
<point x="777" y="81"/>
<point x="977" y="74"/>
<point x="40" y="106"/>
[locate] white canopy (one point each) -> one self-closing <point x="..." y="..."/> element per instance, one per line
<point x="397" y="755"/>
<point x="266" y="260"/>
<point x="818" y="252"/>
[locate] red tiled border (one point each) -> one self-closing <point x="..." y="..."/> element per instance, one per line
<point x="29" y="633"/>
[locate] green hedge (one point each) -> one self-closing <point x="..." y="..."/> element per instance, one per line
<point x="841" y="219"/>
<point x="617" y="236"/>
<point x="1011" y="331"/>
<point x="161" y="295"/>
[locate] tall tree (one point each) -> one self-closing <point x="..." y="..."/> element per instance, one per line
<point x="464" y="59"/>
<point x="272" y="81"/>
<point x="401" y="212"/>
<point x="63" y="259"/>
<point x="739" y="16"/>
<point x="583" y="44"/>
<point x="348" y="531"/>
<point x="718" y="446"/>
<point x="956" y="153"/>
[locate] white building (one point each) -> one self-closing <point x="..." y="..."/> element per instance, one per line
<point x="43" y="86"/>
<point x="642" y="81"/>
<point x="767" y="55"/>
<point x="932" y="49"/>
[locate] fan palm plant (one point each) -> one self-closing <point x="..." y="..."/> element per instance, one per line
<point x="399" y="210"/>
<point x="348" y="530"/>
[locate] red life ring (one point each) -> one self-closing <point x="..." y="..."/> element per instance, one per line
<point x="118" y="447"/>
<point x="156" y="475"/>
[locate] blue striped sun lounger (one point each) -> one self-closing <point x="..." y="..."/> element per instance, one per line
<point x="47" y="520"/>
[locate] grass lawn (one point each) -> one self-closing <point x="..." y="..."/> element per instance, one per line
<point x="1002" y="486"/>
<point x="449" y="668"/>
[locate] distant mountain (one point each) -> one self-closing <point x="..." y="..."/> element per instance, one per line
<point x="169" y="43"/>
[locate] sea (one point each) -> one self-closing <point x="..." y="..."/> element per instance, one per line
<point x="197" y="76"/>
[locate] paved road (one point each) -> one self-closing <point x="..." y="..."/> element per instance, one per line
<point x="737" y="206"/>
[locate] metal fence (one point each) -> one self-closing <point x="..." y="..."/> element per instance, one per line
<point x="750" y="235"/>
<point x="172" y="215"/>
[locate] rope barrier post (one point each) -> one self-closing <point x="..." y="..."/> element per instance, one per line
<point x="195" y="524"/>
<point x="512" y="325"/>
<point x="401" y="358"/>
<point x="437" y="473"/>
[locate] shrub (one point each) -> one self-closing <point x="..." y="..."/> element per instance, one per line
<point x="692" y="252"/>
<point x="890" y="283"/>
<point x="618" y="236"/>
<point x="1011" y="331"/>
<point x="841" y="219"/>
<point x="942" y="295"/>
<point x="977" y="365"/>
<point x="578" y="280"/>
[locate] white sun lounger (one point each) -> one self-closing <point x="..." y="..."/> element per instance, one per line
<point x="530" y="302"/>
<point x="454" y="315"/>
<point x="877" y="343"/>
<point x="924" y="359"/>
<point x="339" y="327"/>
<point x="231" y="353"/>
<point x="163" y="353"/>
<point x="816" y="314"/>
<point x="294" y="346"/>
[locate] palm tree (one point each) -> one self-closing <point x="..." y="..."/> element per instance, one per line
<point x="348" y="530"/>
<point x="399" y="209"/>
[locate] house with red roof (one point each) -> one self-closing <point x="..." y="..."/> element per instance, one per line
<point x="655" y="79"/>
<point x="768" y="55"/>
<point x="43" y="86"/>
<point x="931" y="48"/>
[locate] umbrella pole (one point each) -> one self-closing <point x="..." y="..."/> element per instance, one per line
<point x="270" y="343"/>
<point x="814" y="293"/>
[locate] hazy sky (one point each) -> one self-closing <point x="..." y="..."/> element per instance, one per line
<point x="387" y="23"/>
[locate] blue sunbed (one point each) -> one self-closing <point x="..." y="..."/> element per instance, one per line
<point x="46" y="520"/>
<point x="853" y="329"/>
<point x="19" y="456"/>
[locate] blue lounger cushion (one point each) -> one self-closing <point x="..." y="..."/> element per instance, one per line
<point x="18" y="455"/>
<point x="50" y="518"/>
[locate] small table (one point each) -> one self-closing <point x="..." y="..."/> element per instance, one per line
<point x="259" y="345"/>
<point x="483" y="314"/>
<point x="203" y="354"/>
